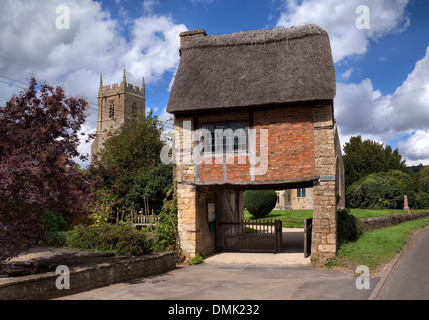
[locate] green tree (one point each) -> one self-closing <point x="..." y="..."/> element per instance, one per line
<point x="422" y="179"/>
<point x="381" y="190"/>
<point x="362" y="158"/>
<point x="133" y="148"/>
<point x="152" y="185"/>
<point x="130" y="168"/>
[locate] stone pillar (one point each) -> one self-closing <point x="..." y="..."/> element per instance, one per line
<point x="187" y="218"/>
<point x="406" y="203"/>
<point x="184" y="176"/>
<point x="324" y="232"/>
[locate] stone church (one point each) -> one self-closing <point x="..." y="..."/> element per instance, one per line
<point x="117" y="103"/>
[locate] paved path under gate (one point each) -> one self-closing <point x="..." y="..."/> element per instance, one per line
<point x="292" y="253"/>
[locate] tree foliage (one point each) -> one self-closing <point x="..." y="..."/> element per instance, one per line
<point x="130" y="171"/>
<point x="39" y="136"/>
<point x="422" y="179"/>
<point x="167" y="230"/>
<point x="382" y="190"/>
<point x="362" y="158"/>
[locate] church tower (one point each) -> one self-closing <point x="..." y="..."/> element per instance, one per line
<point x="117" y="104"/>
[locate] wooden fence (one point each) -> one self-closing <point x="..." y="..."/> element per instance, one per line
<point x="145" y="220"/>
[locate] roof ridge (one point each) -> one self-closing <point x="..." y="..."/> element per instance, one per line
<point x="261" y="36"/>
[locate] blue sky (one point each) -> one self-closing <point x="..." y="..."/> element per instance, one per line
<point x="382" y="72"/>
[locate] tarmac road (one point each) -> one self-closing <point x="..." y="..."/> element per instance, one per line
<point x="409" y="278"/>
<point x="211" y="281"/>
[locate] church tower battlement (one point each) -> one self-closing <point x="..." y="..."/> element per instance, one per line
<point x="117" y="104"/>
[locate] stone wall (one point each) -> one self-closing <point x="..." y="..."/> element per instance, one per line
<point x="370" y="224"/>
<point x="42" y="286"/>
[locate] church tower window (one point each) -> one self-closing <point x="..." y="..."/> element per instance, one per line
<point x="112" y="109"/>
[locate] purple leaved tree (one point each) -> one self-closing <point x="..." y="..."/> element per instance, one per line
<point x="39" y="136"/>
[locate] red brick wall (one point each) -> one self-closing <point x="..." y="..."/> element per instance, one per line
<point x="290" y="145"/>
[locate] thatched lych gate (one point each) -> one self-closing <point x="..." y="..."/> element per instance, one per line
<point x="249" y="236"/>
<point x="254" y="110"/>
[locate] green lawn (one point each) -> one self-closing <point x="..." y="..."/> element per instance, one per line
<point x="290" y="218"/>
<point x="295" y="218"/>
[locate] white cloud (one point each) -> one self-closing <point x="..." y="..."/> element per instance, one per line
<point x="346" y="75"/>
<point x="154" y="47"/>
<point x="359" y="109"/>
<point x="32" y="45"/>
<point x="338" y="18"/>
<point x="416" y="147"/>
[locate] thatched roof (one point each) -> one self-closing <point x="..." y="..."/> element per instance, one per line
<point x="254" y="68"/>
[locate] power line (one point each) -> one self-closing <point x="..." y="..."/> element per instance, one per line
<point x="14" y="80"/>
<point x="10" y="84"/>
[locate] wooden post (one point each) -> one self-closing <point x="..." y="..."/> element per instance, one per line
<point x="307" y="237"/>
<point x="279" y="236"/>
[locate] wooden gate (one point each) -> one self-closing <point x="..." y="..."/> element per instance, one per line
<point x="308" y="227"/>
<point x="249" y="236"/>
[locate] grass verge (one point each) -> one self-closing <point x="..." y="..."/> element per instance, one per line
<point x="378" y="247"/>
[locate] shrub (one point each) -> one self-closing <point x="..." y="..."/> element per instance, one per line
<point x="123" y="239"/>
<point x="349" y="228"/>
<point x="55" y="226"/>
<point x="53" y="222"/>
<point x="167" y="238"/>
<point x="383" y="190"/>
<point x="260" y="203"/>
<point x="56" y="238"/>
